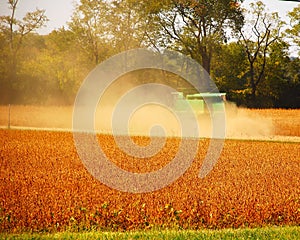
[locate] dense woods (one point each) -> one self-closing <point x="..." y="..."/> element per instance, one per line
<point x="246" y="51"/>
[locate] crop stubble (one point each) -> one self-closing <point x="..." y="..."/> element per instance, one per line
<point x="44" y="186"/>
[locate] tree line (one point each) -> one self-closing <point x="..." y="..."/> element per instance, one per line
<point x="245" y="51"/>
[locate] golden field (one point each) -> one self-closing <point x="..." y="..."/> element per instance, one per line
<point x="286" y="121"/>
<point x="45" y="187"/>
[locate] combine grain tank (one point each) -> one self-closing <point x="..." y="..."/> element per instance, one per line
<point x="198" y="102"/>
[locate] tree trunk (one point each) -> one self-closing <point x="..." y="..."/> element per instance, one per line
<point x="253" y="86"/>
<point x="206" y="64"/>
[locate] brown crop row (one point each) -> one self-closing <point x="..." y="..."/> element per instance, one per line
<point x="45" y="187"/>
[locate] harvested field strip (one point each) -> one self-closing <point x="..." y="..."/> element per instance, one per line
<point x="240" y="121"/>
<point x="44" y="187"/>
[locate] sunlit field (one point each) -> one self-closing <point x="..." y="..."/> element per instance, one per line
<point x="45" y="187"/>
<point x="150" y="119"/>
<point x="286" y="121"/>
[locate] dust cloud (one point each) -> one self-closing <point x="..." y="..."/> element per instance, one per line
<point x="143" y="120"/>
<point x="243" y="123"/>
<point x="240" y="123"/>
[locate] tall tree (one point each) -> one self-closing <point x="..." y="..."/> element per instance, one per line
<point x="194" y="27"/>
<point x="276" y="80"/>
<point x="126" y="25"/>
<point x="294" y="30"/>
<point x="260" y="31"/>
<point x="14" y="31"/>
<point x="90" y="27"/>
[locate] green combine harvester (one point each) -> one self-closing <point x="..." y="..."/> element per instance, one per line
<point x="198" y="102"/>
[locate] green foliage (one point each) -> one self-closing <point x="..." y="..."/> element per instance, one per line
<point x="294" y="30"/>
<point x="230" y="69"/>
<point x="49" y="69"/>
<point x="194" y="28"/>
<point x="13" y="33"/>
<point x="89" y="25"/>
<point x="126" y="26"/>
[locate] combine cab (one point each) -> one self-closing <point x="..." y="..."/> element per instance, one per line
<point x="198" y="102"/>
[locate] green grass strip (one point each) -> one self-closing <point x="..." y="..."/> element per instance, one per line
<point x="249" y="234"/>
